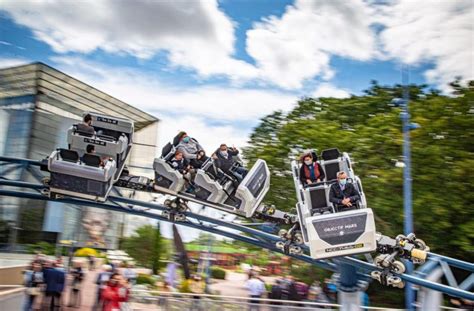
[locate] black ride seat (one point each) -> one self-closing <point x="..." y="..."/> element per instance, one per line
<point x="83" y="130"/>
<point x="69" y="155"/>
<point x="166" y="152"/>
<point x="319" y="204"/>
<point x="176" y="140"/>
<point x="330" y="154"/>
<point x="331" y="169"/>
<point x="91" y="160"/>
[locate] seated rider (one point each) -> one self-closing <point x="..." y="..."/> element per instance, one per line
<point x="179" y="163"/>
<point x="224" y="160"/>
<point x="310" y="170"/>
<point x="86" y="125"/>
<point x="192" y="150"/>
<point x="343" y="195"/>
<point x="90" y="149"/>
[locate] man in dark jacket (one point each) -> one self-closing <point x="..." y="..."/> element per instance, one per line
<point x="343" y="195"/>
<point x="276" y="294"/>
<point x="224" y="160"/>
<point x="54" y="278"/>
<point x="310" y="170"/>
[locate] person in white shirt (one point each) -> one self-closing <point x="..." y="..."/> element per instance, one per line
<point x="256" y="288"/>
<point x="129" y="274"/>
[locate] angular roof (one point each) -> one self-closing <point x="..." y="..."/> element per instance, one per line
<point x="65" y="92"/>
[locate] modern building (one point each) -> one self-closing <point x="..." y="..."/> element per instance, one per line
<point x="37" y="105"/>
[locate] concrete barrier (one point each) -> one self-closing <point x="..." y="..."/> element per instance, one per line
<point x="12" y="299"/>
<point x="12" y="275"/>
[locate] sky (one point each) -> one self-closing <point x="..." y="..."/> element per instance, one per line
<point x="214" y="68"/>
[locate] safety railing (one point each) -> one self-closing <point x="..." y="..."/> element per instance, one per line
<point x="206" y="302"/>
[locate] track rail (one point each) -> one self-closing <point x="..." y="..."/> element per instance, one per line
<point x="217" y="226"/>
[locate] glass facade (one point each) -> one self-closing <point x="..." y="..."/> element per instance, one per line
<point x="37" y="106"/>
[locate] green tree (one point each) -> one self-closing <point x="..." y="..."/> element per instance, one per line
<point x="146" y="247"/>
<point x="369" y="129"/>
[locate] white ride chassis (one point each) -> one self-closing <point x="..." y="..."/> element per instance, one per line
<point x="243" y="199"/>
<point x="113" y="139"/>
<point x="70" y="176"/>
<point x="327" y="233"/>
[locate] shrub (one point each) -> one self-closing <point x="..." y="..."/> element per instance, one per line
<point x="85" y="252"/>
<point x="145" y="279"/>
<point x="218" y="273"/>
<point x="185" y="286"/>
<point x="43" y="247"/>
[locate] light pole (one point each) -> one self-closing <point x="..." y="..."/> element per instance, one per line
<point x="407" y="180"/>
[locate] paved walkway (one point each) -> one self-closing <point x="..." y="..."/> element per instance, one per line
<point x="88" y="292"/>
<point x="234" y="284"/>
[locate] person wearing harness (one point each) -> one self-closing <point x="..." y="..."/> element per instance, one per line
<point x="86" y="125"/>
<point x="192" y="150"/>
<point x="343" y="195"/>
<point x="225" y="161"/>
<point x="310" y="170"/>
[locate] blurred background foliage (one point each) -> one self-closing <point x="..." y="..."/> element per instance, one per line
<point x="369" y="128"/>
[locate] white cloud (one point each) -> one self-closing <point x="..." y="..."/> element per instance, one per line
<point x="209" y="136"/>
<point x="147" y="92"/>
<point x="13" y="61"/>
<point x="329" y="90"/>
<point x="287" y="50"/>
<point x="299" y="45"/>
<point x="211" y="114"/>
<point x="437" y="31"/>
<point x="200" y="36"/>
<point x="195" y="34"/>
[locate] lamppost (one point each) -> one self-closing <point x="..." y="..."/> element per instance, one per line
<point x="13" y="235"/>
<point x="407" y="180"/>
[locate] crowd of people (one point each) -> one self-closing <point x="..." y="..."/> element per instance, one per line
<point x="47" y="282"/>
<point x="288" y="288"/>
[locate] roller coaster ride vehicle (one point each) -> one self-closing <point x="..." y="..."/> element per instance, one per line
<point x="77" y="173"/>
<point x="329" y="233"/>
<point x="212" y="185"/>
<point x="86" y="178"/>
<point x="113" y="138"/>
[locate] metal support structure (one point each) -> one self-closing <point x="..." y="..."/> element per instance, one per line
<point x="349" y="295"/>
<point x="407" y="180"/>
<point x="428" y="299"/>
<point x="355" y="267"/>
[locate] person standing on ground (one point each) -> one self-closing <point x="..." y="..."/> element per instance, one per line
<point x="276" y="294"/>
<point x="54" y="278"/>
<point x="292" y="290"/>
<point x="33" y="282"/>
<point x="91" y="263"/>
<point x="115" y="293"/>
<point x="129" y="274"/>
<point x="256" y="288"/>
<point x="101" y="282"/>
<point x="77" y="274"/>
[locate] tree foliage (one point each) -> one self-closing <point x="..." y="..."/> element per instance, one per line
<point x="369" y="129"/>
<point x="146" y="247"/>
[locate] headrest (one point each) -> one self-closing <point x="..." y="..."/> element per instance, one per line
<point x="83" y="130"/>
<point x="166" y="150"/>
<point x="91" y="160"/>
<point x="176" y="139"/>
<point x="69" y="155"/>
<point x="330" y="154"/>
